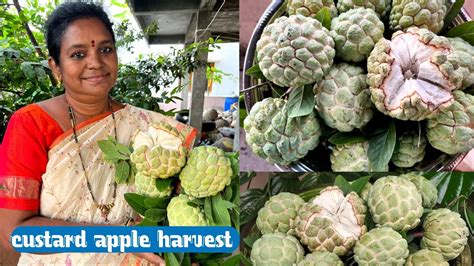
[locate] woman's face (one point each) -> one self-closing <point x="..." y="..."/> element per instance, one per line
<point x="88" y="59"/>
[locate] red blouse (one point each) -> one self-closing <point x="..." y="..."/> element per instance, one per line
<point x="24" y="155"/>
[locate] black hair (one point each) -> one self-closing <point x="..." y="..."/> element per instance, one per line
<point x="64" y="15"/>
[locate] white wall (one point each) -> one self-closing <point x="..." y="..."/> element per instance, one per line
<point x="226" y="59"/>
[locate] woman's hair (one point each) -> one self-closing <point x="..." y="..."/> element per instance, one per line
<point x="64" y="15"/>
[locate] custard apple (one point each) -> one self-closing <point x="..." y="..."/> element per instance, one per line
<point x="295" y="51"/>
<point x="445" y="232"/>
<point x="395" y="202"/>
<point x="331" y="221"/>
<point x="159" y="152"/>
<point x="355" y="33"/>
<point x="207" y="172"/>
<point x="352" y="157"/>
<point x="180" y="213"/>
<point x="429" y="193"/>
<point x="427" y="14"/>
<point x="451" y="131"/>
<point x="279" y="213"/>
<point x="410" y="149"/>
<point x="381" y="7"/>
<point x="321" y="259"/>
<point x="410" y="77"/>
<point x="425" y="257"/>
<point x="381" y="246"/>
<point x="309" y="8"/>
<point x="277" y="138"/>
<point x="343" y="98"/>
<point x="276" y="249"/>
<point x="146" y="186"/>
<point x="465" y="57"/>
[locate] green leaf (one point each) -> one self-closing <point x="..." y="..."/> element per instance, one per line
<point x="255" y="72"/>
<point x="324" y="16"/>
<point x="453" y="12"/>
<point x="220" y="214"/>
<point x="358" y="185"/>
<point x="252" y="200"/>
<point x="228" y="193"/>
<point x="464" y="31"/>
<point x="156" y="202"/>
<point x="301" y="101"/>
<point x="249" y="240"/>
<point x="137" y="202"/>
<point x="208" y="210"/>
<point x="342" y="183"/>
<point x="234" y="162"/>
<point x="381" y="148"/>
<point x="171" y="259"/>
<point x="341" y="138"/>
<point x="147" y="222"/>
<point x="155" y="215"/>
<point x="122" y="172"/>
<point x="123" y="149"/>
<point x="451" y="185"/>
<point x="245" y="261"/>
<point x="197" y="202"/>
<point x="110" y="151"/>
<point x="163" y="184"/>
<point x="232" y="261"/>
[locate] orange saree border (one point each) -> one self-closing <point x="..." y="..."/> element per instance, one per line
<point x="20" y="193"/>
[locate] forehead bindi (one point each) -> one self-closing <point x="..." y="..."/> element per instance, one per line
<point x="93" y="43"/>
<point x="85" y="32"/>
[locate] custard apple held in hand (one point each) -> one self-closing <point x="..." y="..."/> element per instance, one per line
<point x="277" y="138"/>
<point x="445" y="232"/>
<point x="355" y="33"/>
<point x="410" y="149"/>
<point x="452" y="130"/>
<point x="343" y="98"/>
<point x="352" y="157"/>
<point x="381" y="246"/>
<point x="276" y="249"/>
<point x="410" y="77"/>
<point x="427" y="14"/>
<point x="180" y="213"/>
<point x="425" y="257"/>
<point x="321" y="259"/>
<point x="395" y="202"/>
<point x="146" y="186"/>
<point x="295" y="51"/>
<point x="309" y="8"/>
<point x="381" y="7"/>
<point x="331" y="221"/>
<point x="206" y="173"/>
<point x="429" y="193"/>
<point x="279" y="213"/>
<point x="159" y="152"/>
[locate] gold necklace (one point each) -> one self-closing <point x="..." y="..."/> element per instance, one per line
<point x="103" y="208"/>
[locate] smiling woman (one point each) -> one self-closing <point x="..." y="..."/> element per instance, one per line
<point x="52" y="170"/>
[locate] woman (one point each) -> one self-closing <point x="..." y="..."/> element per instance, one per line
<point x="54" y="173"/>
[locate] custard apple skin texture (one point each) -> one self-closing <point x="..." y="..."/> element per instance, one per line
<point x="465" y="57"/>
<point x="352" y="157"/>
<point x="321" y="259"/>
<point x="179" y="213"/>
<point x="355" y="33"/>
<point x="343" y="98"/>
<point x="429" y="193"/>
<point x="206" y="173"/>
<point x="309" y="8"/>
<point x="445" y="232"/>
<point x="395" y="202"/>
<point x="277" y="138"/>
<point x="276" y="249"/>
<point x="146" y="186"/>
<point x="295" y="51"/>
<point x="381" y="7"/>
<point x="451" y="131"/>
<point x="427" y="14"/>
<point x="381" y="246"/>
<point x="279" y="213"/>
<point x="425" y="257"/>
<point x="411" y="149"/>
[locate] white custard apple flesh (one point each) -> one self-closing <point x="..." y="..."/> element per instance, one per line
<point x="445" y="232"/>
<point x="410" y="77"/>
<point x="425" y="257"/>
<point x="309" y="8"/>
<point x="429" y="193"/>
<point x="276" y="249"/>
<point x="427" y="14"/>
<point x="159" y="152"/>
<point x="277" y="138"/>
<point x="395" y="202"/>
<point x="381" y="7"/>
<point x="352" y="157"/>
<point x="355" y="33"/>
<point x="381" y="246"/>
<point x="343" y="98"/>
<point x="295" y="51"/>
<point x="146" y="186"/>
<point x="279" y="213"/>
<point x="410" y="149"/>
<point x="452" y="130"/>
<point x="331" y="222"/>
<point x="180" y="213"/>
<point x="206" y="173"/>
<point x="321" y="258"/>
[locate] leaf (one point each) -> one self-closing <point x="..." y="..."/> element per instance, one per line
<point x="245" y="261"/>
<point x="232" y="261"/>
<point x="220" y="214"/>
<point x="147" y="222"/>
<point x="155" y="215"/>
<point x="228" y="193"/>
<point x="208" y="210"/>
<point x="156" y="202"/>
<point x="453" y="12"/>
<point x="163" y="184"/>
<point x="136" y="201"/>
<point x="252" y="200"/>
<point x="464" y="31"/>
<point x="249" y="240"/>
<point x="358" y="185"/>
<point x="301" y="101"/>
<point x="123" y="149"/>
<point x="324" y="16"/>
<point x="234" y="162"/>
<point x="110" y="150"/>
<point x="451" y="185"/>
<point x="171" y="259"/>
<point x="341" y="138"/>
<point x="122" y="172"/>
<point x="196" y="202"/>
<point x="255" y="72"/>
<point x="342" y="183"/>
<point x="381" y="148"/>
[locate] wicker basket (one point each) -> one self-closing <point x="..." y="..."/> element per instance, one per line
<point x="252" y="95"/>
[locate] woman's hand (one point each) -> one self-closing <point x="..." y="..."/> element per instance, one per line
<point x="151" y="258"/>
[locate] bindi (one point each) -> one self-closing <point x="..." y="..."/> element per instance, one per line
<point x="93" y="43"/>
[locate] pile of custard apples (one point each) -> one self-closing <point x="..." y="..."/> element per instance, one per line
<point x="331" y="227"/>
<point x="377" y="56"/>
<point x="160" y="153"/>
